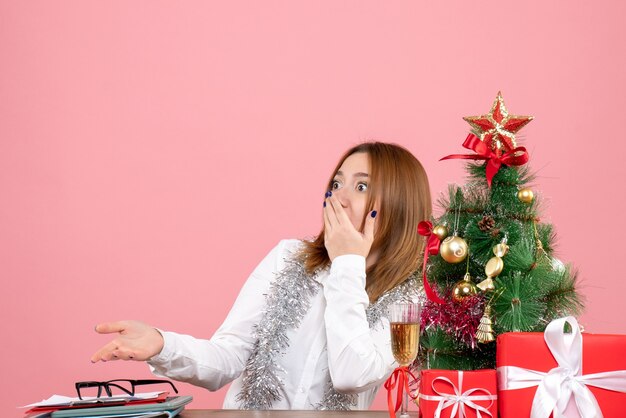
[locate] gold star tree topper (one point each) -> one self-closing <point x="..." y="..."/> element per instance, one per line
<point x="497" y="128"/>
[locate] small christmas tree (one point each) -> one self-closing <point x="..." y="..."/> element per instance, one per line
<point x="489" y="265"/>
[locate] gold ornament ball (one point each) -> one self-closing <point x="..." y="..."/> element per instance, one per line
<point x="453" y="249"/>
<point x="441" y="231"/>
<point x="525" y="195"/>
<point x="464" y="288"/>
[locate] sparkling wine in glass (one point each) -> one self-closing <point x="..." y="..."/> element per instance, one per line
<point x="405" y="331"/>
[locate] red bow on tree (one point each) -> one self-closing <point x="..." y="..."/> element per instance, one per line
<point x="425" y="228"/>
<point x="517" y="156"/>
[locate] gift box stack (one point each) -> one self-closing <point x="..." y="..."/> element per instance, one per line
<point x="458" y="393"/>
<point x="490" y="273"/>
<point x="559" y="373"/>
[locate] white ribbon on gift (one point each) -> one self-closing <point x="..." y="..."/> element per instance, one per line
<point x="459" y="399"/>
<point x="556" y="387"/>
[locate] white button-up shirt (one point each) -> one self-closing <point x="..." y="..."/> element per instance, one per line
<point x="333" y="337"/>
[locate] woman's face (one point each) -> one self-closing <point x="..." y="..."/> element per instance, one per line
<point x="350" y="186"/>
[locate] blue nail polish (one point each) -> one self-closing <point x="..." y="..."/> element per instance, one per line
<point x="327" y="194"/>
<point x="324" y="203"/>
<point x="374" y="213"/>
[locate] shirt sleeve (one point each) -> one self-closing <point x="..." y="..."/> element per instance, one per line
<point x="359" y="358"/>
<point x="216" y="362"/>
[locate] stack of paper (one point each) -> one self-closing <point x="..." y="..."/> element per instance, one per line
<point x="144" y="405"/>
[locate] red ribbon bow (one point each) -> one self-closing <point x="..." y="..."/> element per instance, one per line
<point x="425" y="228"/>
<point x="399" y="378"/>
<point x="517" y="156"/>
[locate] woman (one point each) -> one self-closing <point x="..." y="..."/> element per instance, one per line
<point x="308" y="329"/>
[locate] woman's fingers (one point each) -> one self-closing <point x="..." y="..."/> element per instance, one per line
<point x="110" y="327"/>
<point x="327" y="224"/>
<point x="338" y="211"/>
<point x="115" y="350"/>
<point x="106" y="353"/>
<point x="330" y="212"/>
<point x="111" y="350"/>
<point x="368" y="229"/>
<point x="123" y="354"/>
<point x="136" y="341"/>
<point x="341" y="236"/>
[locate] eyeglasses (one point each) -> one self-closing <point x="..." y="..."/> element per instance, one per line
<point x="125" y="385"/>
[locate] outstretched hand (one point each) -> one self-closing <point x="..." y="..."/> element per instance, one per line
<point x="135" y="341"/>
<point x="340" y="236"/>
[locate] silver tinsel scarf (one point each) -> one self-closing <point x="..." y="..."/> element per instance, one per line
<point x="286" y="304"/>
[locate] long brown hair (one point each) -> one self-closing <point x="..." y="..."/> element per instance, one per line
<point x="400" y="185"/>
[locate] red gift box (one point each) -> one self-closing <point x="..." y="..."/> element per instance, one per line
<point x="549" y="366"/>
<point x="458" y="393"/>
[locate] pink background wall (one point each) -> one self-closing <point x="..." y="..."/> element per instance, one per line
<point x="152" y="152"/>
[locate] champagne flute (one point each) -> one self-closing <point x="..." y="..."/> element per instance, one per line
<point x="405" y="331"/>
